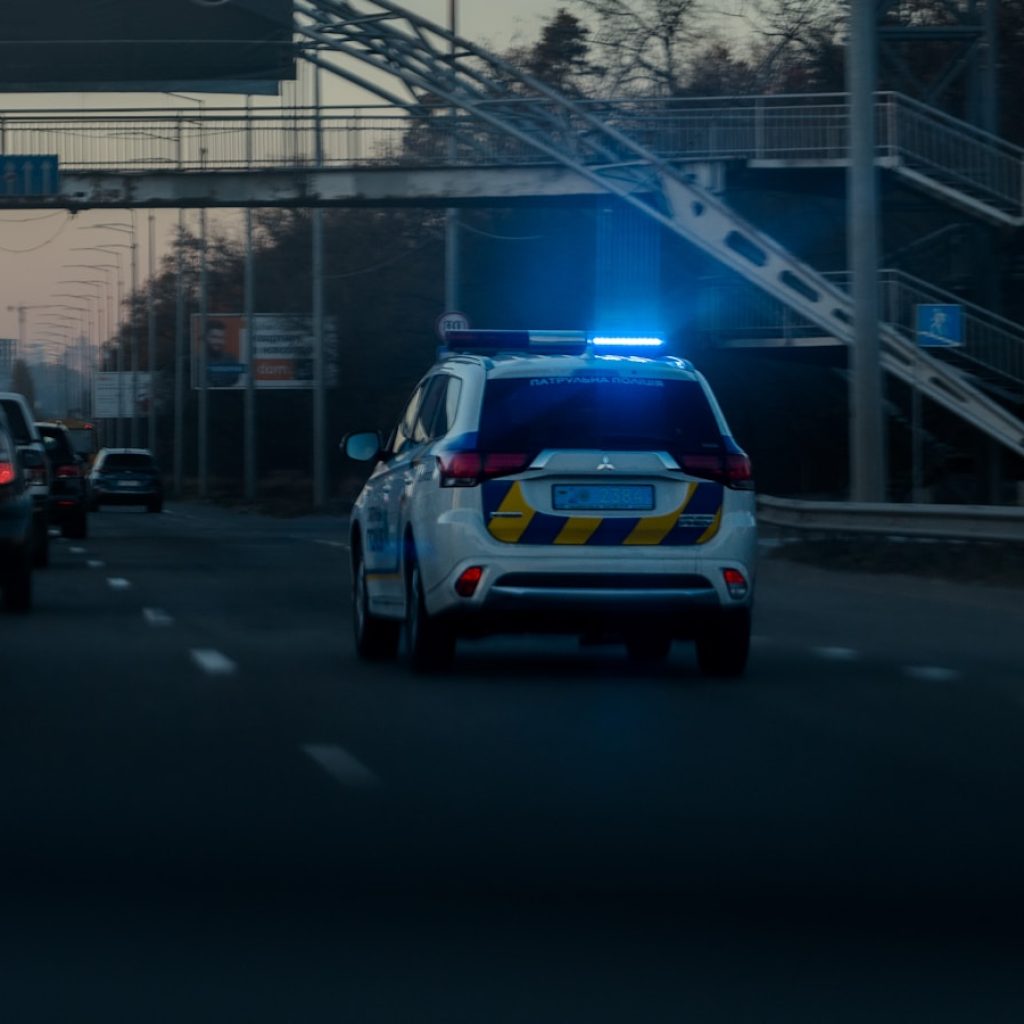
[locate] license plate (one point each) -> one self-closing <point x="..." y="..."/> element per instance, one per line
<point x="131" y="483"/>
<point x="603" y="498"/>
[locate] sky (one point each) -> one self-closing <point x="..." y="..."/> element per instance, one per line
<point x="38" y="249"/>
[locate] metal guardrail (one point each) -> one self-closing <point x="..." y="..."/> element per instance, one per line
<point x="991" y="342"/>
<point x="789" y="129"/>
<point x="951" y="522"/>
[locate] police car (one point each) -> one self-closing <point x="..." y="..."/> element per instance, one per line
<point x="554" y="482"/>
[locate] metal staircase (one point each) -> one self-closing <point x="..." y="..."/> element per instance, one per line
<point x="438" y="70"/>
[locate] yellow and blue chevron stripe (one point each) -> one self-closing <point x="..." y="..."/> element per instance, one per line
<point x="512" y="520"/>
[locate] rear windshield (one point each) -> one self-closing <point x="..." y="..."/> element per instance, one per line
<point x="84" y="441"/>
<point x="591" y="410"/>
<point x="16" y="421"/>
<point x="118" y="462"/>
<point x="58" y="447"/>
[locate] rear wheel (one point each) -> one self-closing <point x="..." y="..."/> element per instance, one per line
<point x="79" y="527"/>
<point x="429" y="642"/>
<point x="17" y="583"/>
<point x="376" y="638"/>
<point x="723" y="645"/>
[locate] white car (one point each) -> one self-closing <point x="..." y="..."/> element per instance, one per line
<point x="551" y="482"/>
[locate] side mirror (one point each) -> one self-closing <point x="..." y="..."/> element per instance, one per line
<point x="361" y="447"/>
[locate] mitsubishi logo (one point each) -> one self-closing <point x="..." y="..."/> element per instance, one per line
<point x="604" y="464"/>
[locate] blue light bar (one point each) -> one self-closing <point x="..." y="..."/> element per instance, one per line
<point x="604" y="342"/>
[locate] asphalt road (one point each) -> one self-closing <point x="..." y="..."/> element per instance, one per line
<point x="211" y="810"/>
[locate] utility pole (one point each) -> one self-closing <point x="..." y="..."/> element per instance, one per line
<point x="179" y="358"/>
<point x="135" y="338"/>
<point x="868" y="470"/>
<point x="451" y="214"/>
<point x="204" y="390"/>
<point x="249" y="303"/>
<point x="319" y="363"/>
<point x="151" y="337"/>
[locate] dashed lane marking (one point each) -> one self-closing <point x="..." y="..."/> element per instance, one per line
<point x="341" y="765"/>
<point x="837" y="653"/>
<point x="95" y="563"/>
<point x="157" y="617"/>
<point x="332" y="544"/>
<point x="212" y="662"/>
<point x="77" y="551"/>
<point x="932" y="673"/>
<point x="118" y="583"/>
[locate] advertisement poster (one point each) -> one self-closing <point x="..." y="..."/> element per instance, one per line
<point x="112" y="394"/>
<point x="280" y="351"/>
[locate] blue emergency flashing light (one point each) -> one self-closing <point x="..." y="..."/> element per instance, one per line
<point x="627" y="342"/>
<point x="560" y="342"/>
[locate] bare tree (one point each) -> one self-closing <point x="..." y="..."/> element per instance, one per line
<point x="644" y="44"/>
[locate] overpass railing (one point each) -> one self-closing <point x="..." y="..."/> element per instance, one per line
<point x="783" y="130"/>
<point x="991" y="342"/>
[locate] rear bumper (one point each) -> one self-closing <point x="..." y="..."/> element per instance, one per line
<point x="140" y="497"/>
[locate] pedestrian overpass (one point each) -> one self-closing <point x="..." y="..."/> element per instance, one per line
<point x="462" y="126"/>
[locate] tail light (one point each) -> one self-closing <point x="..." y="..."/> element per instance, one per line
<point x="7" y="471"/>
<point x="732" y="469"/>
<point x="467" y="469"/>
<point x="735" y="583"/>
<point x="468" y="581"/>
<point x="65" y="472"/>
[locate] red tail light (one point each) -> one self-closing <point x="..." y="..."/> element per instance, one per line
<point x="63" y="472"/>
<point x="733" y="469"/>
<point x="7" y="473"/>
<point x="467" y="469"/>
<point x="468" y="581"/>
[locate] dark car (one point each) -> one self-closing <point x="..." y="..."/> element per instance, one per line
<point x="15" y="525"/>
<point x="126" y="476"/>
<point x="32" y="457"/>
<point x="68" y="498"/>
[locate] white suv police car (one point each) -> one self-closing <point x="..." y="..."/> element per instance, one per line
<point x="550" y="482"/>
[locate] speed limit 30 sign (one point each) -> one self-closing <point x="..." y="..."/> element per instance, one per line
<point x="453" y="321"/>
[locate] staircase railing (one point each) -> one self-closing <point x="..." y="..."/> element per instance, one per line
<point x="991" y="342"/>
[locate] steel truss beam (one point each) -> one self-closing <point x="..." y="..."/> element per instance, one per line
<point x="442" y="71"/>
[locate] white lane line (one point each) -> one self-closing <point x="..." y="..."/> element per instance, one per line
<point x="931" y="673"/>
<point x="837" y="653"/>
<point x="118" y="583"/>
<point x="95" y="563"/>
<point x="341" y="765"/>
<point x="157" y="617"/>
<point x="212" y="662"/>
<point x="331" y="544"/>
<point x="77" y="551"/>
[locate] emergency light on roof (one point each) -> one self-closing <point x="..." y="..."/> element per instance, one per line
<point x="562" y="342"/>
<point x="627" y="342"/>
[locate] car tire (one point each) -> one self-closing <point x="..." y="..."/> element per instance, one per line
<point x="376" y="638"/>
<point x="429" y="643"/>
<point x="41" y="548"/>
<point x="723" y="645"/>
<point x="649" y="648"/>
<point x="17" y="584"/>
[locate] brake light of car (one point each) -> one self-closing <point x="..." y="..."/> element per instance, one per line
<point x="732" y="469"/>
<point x="736" y="584"/>
<point x="468" y="581"/>
<point x="64" y="472"/>
<point x="7" y="471"/>
<point x="467" y="469"/>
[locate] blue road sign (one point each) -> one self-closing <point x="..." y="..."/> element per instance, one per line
<point x="940" y="326"/>
<point x="29" y="176"/>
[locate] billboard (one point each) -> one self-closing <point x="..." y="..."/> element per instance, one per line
<point x="241" y="46"/>
<point x="112" y="394"/>
<point x="279" y="350"/>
